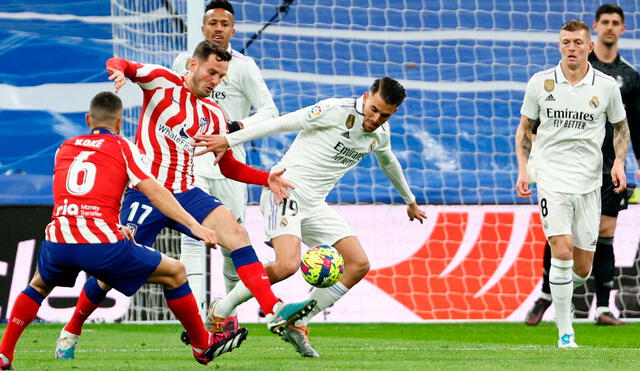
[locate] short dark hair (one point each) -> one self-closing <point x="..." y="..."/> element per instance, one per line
<point x="609" y="9"/>
<point x="223" y="4"/>
<point x="206" y="48"/>
<point x="105" y="108"/>
<point x="391" y="91"/>
<point x="575" y="25"/>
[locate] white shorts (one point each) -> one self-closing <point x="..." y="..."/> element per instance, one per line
<point x="574" y="214"/>
<point x="232" y="194"/>
<point x="314" y="225"/>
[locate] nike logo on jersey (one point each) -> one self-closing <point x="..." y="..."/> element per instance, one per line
<point x="345" y="134"/>
<point x="550" y="98"/>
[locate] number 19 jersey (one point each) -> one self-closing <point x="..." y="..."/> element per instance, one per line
<point x="90" y="175"/>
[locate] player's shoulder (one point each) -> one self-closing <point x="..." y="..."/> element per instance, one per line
<point x="627" y="65"/>
<point x="180" y="63"/>
<point x="242" y="61"/>
<point x="602" y="78"/>
<point x="549" y="73"/>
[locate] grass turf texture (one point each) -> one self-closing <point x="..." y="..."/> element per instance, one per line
<point x="344" y="346"/>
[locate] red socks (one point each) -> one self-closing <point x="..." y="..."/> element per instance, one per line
<point x="183" y="305"/>
<point x="23" y="313"/>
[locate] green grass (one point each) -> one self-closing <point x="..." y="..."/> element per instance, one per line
<point x="463" y="346"/>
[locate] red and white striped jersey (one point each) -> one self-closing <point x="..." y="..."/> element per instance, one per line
<point x="90" y="175"/>
<point x="171" y="116"/>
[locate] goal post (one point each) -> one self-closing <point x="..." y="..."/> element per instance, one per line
<point x="465" y="66"/>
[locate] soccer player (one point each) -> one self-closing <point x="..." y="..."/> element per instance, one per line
<point x="243" y="90"/>
<point x="609" y="25"/>
<point x="335" y="134"/>
<point x="572" y="102"/>
<point x="175" y="109"/>
<point x="90" y="175"/>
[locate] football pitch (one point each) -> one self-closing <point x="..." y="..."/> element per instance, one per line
<point x="460" y="346"/>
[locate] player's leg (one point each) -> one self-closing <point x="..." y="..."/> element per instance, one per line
<point x="234" y="195"/>
<point x="139" y="215"/>
<point x="24" y="311"/>
<point x="172" y="275"/>
<point x="327" y="226"/>
<point x="604" y="259"/>
<point x="540" y="306"/>
<point x="234" y="238"/>
<point x="556" y="212"/>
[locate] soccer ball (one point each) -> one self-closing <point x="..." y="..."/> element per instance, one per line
<point x="322" y="266"/>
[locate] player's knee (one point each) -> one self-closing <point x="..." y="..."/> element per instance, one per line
<point x="289" y="268"/>
<point x="177" y="272"/>
<point x="358" y="268"/>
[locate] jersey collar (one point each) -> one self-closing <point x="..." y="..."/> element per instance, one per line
<point x="589" y="78"/>
<point x="359" y="105"/>
<point x="96" y="131"/>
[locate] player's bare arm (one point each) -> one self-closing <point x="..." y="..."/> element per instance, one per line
<point x="621" y="146"/>
<point x="118" y="78"/>
<point x="415" y="213"/>
<point x="279" y="186"/>
<point x="217" y="144"/>
<point x="523" y="150"/>
<point x="162" y="199"/>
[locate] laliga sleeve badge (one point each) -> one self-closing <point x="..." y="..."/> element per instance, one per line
<point x="594" y="102"/>
<point x="350" y="120"/>
<point x="549" y="85"/>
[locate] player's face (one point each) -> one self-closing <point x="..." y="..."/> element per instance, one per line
<point x="609" y="28"/>
<point x="575" y="47"/>
<point x="204" y="76"/>
<point x="217" y="26"/>
<point x="376" y="111"/>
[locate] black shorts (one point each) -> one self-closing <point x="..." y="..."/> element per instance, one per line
<point x="612" y="203"/>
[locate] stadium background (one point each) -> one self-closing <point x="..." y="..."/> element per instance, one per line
<point x="465" y="65"/>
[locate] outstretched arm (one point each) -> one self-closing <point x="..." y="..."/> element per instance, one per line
<point x="147" y="76"/>
<point x="621" y="146"/>
<point x="523" y="149"/>
<point x="236" y="170"/>
<point x="218" y="143"/>
<point x="391" y="168"/>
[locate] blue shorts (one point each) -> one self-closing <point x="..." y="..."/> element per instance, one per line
<point x="123" y="265"/>
<point x="146" y="221"/>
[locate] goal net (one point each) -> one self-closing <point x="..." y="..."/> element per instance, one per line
<point x="465" y="66"/>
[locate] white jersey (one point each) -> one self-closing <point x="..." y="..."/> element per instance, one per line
<point x="244" y="88"/>
<point x="572" y="127"/>
<point x="331" y="142"/>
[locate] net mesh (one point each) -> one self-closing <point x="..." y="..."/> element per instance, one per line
<point x="464" y="64"/>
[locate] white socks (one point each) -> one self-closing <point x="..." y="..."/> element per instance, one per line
<point x="235" y="297"/>
<point x="561" y="283"/>
<point x="577" y="280"/>
<point x="325" y="297"/>
<point x="193" y="255"/>
<point x="229" y="271"/>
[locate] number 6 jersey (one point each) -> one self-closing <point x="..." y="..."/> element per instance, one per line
<point x="90" y="175"/>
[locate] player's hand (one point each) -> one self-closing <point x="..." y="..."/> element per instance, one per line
<point x="279" y="187"/>
<point x="415" y="213"/>
<point x="217" y="144"/>
<point x="205" y="234"/>
<point x="118" y="78"/>
<point x="618" y="176"/>
<point x="522" y="186"/>
<point x="126" y="232"/>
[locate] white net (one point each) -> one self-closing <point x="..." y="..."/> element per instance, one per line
<point x="464" y="64"/>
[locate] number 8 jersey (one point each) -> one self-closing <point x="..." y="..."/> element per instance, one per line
<point x="90" y="175"/>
